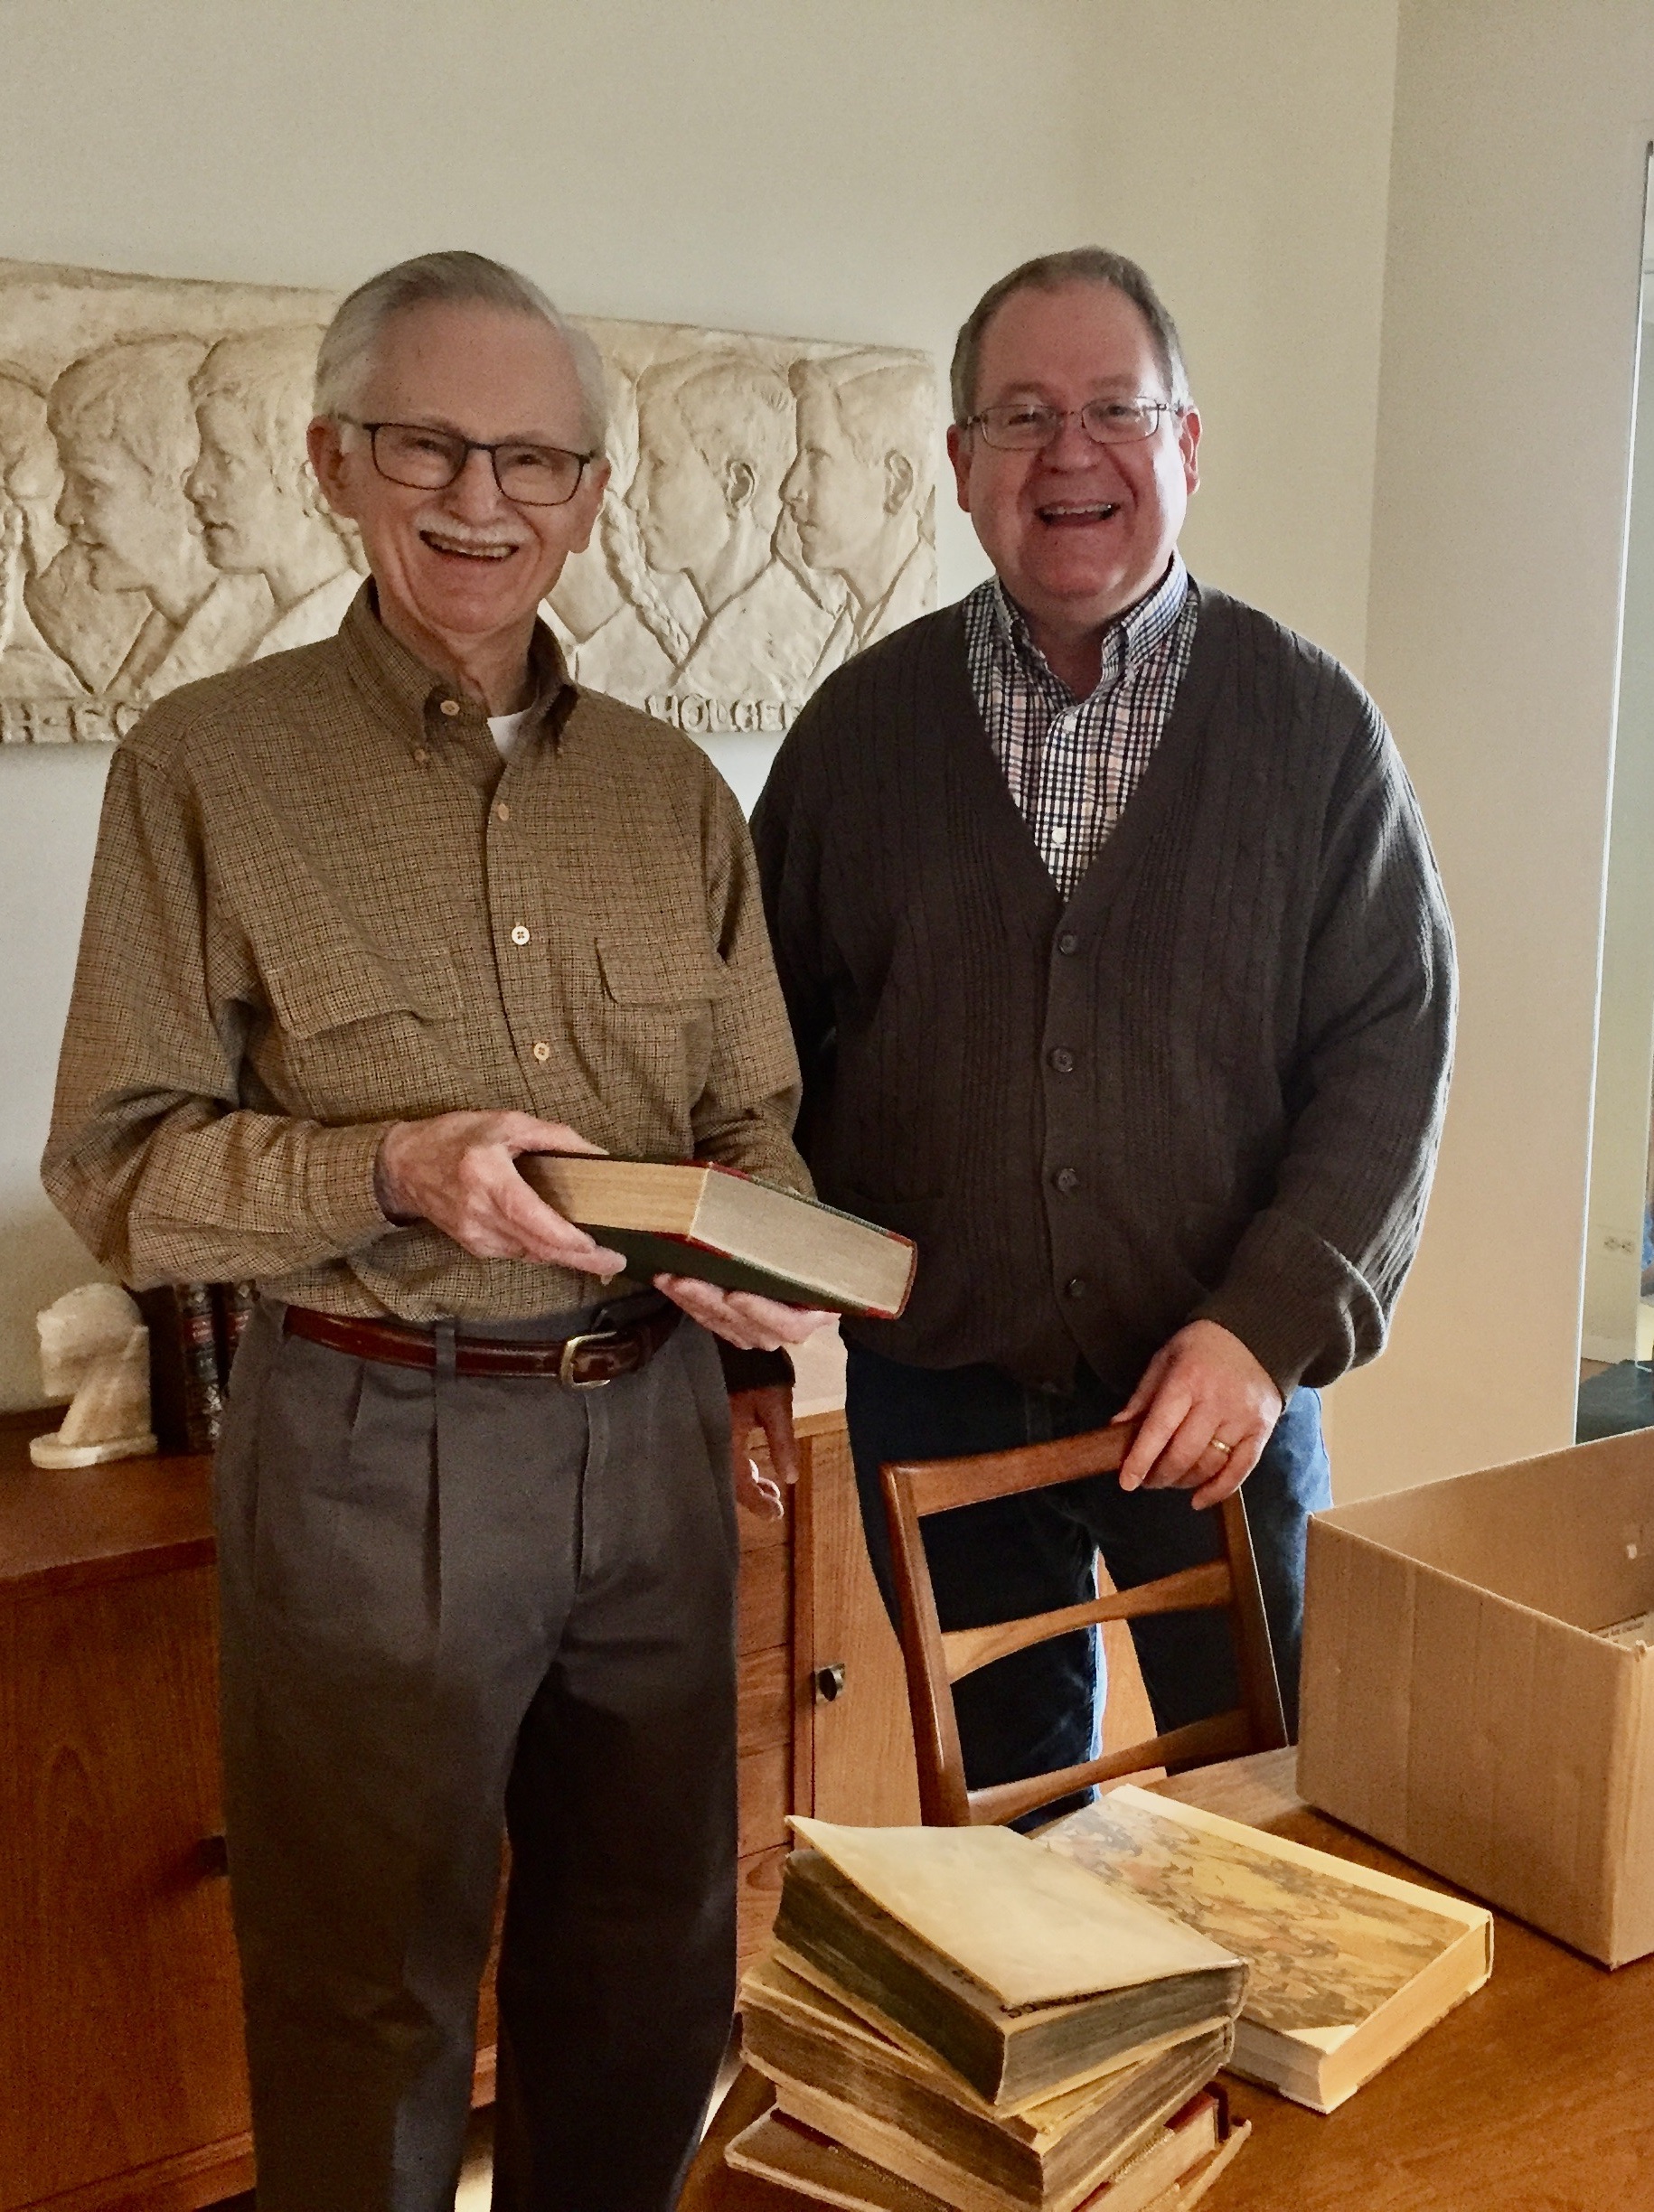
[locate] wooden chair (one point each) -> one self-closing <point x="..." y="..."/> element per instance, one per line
<point x="935" y="1662"/>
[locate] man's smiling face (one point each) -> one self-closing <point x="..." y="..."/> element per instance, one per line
<point x="466" y="563"/>
<point x="1079" y="531"/>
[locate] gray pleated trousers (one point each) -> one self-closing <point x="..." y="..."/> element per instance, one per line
<point x="452" y="1604"/>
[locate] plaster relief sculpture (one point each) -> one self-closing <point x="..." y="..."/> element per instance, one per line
<point x="770" y="509"/>
<point x="94" y="1351"/>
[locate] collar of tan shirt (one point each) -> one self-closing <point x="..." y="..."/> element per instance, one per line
<point x="419" y="703"/>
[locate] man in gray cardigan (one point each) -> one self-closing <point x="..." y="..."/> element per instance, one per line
<point x="1123" y="981"/>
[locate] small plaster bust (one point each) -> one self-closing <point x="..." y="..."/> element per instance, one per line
<point x="94" y="1351"/>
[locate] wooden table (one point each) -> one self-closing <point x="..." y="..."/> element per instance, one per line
<point x="1535" y="2096"/>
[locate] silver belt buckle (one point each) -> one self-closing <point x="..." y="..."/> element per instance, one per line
<point x="575" y="1345"/>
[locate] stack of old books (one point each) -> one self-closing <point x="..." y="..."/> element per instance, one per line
<point x="955" y="2017"/>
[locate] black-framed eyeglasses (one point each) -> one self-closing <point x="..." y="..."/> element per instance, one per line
<point x="1021" y="426"/>
<point x="430" y="460"/>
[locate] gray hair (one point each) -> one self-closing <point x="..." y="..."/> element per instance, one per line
<point x="456" y="279"/>
<point x="1049" y="272"/>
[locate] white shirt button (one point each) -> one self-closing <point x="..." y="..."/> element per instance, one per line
<point x="450" y="707"/>
<point x="520" y="935"/>
<point x="543" y="1051"/>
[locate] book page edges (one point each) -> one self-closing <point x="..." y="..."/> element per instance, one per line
<point x="903" y="2154"/>
<point x="1014" y="2107"/>
<point x="1074" y="1939"/>
<point x="1299" y="2066"/>
<point x="1046" y="2118"/>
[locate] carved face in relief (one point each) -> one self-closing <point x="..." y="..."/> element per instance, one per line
<point x="466" y="561"/>
<point x="126" y="431"/>
<point x="244" y="508"/>
<point x="683" y="510"/>
<point x="31" y="481"/>
<point x="108" y="505"/>
<point x="838" y="504"/>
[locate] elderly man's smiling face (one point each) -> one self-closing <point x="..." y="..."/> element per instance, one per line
<point x="466" y="564"/>
<point x="1079" y="531"/>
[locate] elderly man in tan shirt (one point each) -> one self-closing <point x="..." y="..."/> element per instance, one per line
<point x="368" y="921"/>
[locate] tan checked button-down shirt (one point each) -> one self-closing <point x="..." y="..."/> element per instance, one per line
<point x="321" y="904"/>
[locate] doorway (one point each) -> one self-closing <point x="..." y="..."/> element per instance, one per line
<point x="1617" y="1342"/>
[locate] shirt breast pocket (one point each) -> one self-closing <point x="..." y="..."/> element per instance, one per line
<point x="359" y="1038"/>
<point x="660" y="1001"/>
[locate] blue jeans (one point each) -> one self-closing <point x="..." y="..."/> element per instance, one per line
<point x="1039" y="1709"/>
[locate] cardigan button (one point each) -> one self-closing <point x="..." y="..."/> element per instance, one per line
<point x="1076" y="1286"/>
<point x="1067" y="1180"/>
<point x="1067" y="943"/>
<point x="1062" y="1060"/>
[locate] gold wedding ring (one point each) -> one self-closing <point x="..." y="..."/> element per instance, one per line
<point x="1218" y="1444"/>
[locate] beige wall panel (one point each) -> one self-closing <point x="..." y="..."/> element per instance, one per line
<point x="1503" y="443"/>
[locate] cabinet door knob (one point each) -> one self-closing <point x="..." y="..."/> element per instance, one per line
<point x="829" y="1682"/>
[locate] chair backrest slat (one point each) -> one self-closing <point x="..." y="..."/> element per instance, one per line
<point x="1224" y="1735"/>
<point x="933" y="1662"/>
<point x="1194" y="1590"/>
<point x="938" y="1484"/>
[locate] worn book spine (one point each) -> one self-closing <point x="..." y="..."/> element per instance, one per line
<point x="186" y="1393"/>
<point x="233" y="1303"/>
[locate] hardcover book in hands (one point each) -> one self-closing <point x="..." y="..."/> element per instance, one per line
<point x="697" y="1218"/>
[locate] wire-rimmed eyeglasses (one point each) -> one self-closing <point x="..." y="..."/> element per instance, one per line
<point x="1022" y="425"/>
<point x="428" y="460"/>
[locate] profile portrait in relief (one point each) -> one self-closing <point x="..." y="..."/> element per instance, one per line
<point x="260" y="508"/>
<point x="618" y="631"/>
<point x="126" y="433"/>
<point x="32" y="540"/>
<point x="861" y="487"/>
<point x="717" y="440"/>
<point x="769" y="508"/>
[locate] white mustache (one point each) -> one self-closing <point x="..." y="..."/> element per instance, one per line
<point x="463" y="534"/>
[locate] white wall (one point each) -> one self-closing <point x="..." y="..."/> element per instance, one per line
<point x="859" y="169"/>
<point x="1504" y="431"/>
<point x="1242" y="153"/>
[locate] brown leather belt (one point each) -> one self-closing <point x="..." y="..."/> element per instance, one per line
<point x="583" y="1362"/>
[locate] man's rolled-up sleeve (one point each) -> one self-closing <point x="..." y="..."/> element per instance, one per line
<point x="1314" y="1282"/>
<point x="152" y="1156"/>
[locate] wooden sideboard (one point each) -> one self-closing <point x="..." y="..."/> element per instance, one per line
<point x="120" y="2031"/>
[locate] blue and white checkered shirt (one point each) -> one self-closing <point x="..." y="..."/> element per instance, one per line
<point x="1072" y="764"/>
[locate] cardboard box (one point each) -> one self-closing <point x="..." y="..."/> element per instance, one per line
<point x="1458" y="1704"/>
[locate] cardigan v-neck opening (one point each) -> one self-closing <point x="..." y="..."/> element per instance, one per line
<point x="1014" y="846"/>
